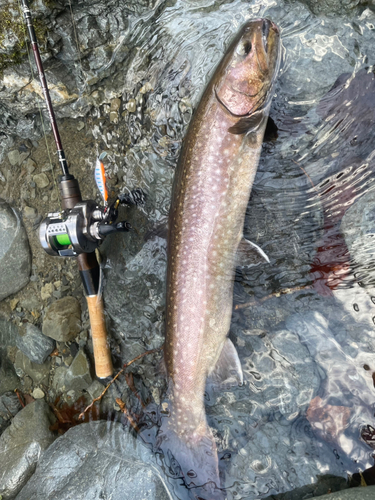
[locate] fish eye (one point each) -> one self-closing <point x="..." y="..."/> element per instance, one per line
<point x="244" y="49"/>
<point x="191" y="473"/>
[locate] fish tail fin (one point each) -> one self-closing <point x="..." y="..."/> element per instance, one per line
<point x="191" y="456"/>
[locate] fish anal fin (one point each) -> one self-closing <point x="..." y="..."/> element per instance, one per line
<point x="228" y="371"/>
<point x="248" y="124"/>
<point x="249" y="254"/>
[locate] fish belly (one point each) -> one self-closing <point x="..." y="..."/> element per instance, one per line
<point x="212" y="189"/>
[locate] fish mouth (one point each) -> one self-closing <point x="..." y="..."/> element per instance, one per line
<point x="266" y="27"/>
<point x="251" y="68"/>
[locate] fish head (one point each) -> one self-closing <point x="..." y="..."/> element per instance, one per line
<point x="248" y="72"/>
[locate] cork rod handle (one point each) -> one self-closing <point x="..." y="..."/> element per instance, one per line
<point x="102" y="355"/>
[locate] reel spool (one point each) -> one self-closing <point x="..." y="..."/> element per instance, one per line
<point x="80" y="229"/>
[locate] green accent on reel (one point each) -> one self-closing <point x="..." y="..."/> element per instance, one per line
<point x="63" y="240"/>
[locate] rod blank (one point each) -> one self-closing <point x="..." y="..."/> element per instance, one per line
<point x="44" y="85"/>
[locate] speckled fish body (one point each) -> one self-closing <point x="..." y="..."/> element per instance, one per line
<point x="213" y="182"/>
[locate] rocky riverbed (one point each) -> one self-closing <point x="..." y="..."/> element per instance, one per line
<point x="129" y="91"/>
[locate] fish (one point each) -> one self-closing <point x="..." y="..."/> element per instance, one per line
<point x="212" y="186"/>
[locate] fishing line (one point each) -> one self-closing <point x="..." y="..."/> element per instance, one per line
<point x="39" y="107"/>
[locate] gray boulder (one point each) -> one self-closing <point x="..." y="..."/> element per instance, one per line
<point x="15" y="258"/>
<point x="35" y="345"/>
<point x="9" y="407"/>
<point x="367" y="493"/>
<point x="62" y="320"/>
<point x="94" y="461"/>
<point x="21" y="446"/>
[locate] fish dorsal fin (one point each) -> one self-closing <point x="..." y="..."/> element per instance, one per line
<point x="227" y="372"/>
<point x="248" y="124"/>
<point x="249" y="254"/>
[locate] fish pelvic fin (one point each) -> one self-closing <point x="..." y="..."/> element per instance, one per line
<point x="249" y="254"/>
<point x="228" y="371"/>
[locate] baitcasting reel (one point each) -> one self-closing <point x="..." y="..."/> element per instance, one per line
<point x="82" y="226"/>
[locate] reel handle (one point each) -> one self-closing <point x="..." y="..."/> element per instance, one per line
<point x="105" y="229"/>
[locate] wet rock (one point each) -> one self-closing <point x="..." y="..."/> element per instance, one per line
<point x="16" y="158"/>
<point x="47" y="290"/>
<point x="35" y="345"/>
<point x="15" y="258"/>
<point x="62" y="320"/>
<point x="38" y="393"/>
<point x="95" y="389"/>
<point x="113" y="117"/>
<point x="360" y="493"/>
<point x="41" y="180"/>
<point x="146" y="88"/>
<point x="8" y="333"/>
<point x="78" y="376"/>
<point x="38" y="373"/>
<point x="9" y="407"/>
<point x="8" y="377"/>
<point x="21" y="447"/>
<point x="29" y="212"/>
<point x="131" y="106"/>
<point x="30" y="166"/>
<point x="121" y="471"/>
<point x="58" y="381"/>
<point x="115" y="104"/>
<point x="323" y="484"/>
<point x="333" y="7"/>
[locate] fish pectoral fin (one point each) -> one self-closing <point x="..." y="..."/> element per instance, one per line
<point x="248" y="124"/>
<point x="228" y="371"/>
<point x="249" y="254"/>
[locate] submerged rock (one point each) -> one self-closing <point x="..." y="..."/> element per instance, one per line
<point x="333" y="7"/>
<point x="358" y="227"/>
<point x="78" y="375"/>
<point x="93" y="461"/>
<point x="37" y="372"/>
<point x="15" y="258"/>
<point x="21" y="446"/>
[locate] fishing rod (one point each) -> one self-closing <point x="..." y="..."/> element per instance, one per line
<point x="79" y="228"/>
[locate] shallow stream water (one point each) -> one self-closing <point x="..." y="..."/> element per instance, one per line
<point x="303" y="324"/>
